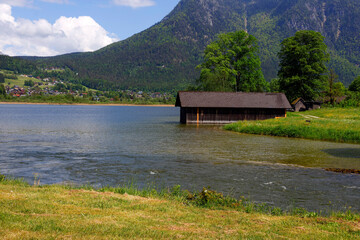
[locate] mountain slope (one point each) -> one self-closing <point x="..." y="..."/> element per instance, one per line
<point x="17" y="65"/>
<point x="164" y="56"/>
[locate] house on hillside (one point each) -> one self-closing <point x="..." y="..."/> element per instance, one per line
<point x="227" y="107"/>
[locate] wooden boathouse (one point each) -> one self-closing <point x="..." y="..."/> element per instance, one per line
<point x="227" y="107"/>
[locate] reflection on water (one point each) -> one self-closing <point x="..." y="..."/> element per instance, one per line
<point x="111" y="145"/>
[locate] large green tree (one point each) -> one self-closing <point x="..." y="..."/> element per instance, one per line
<point x="231" y="63"/>
<point x="302" y="70"/>
<point x="355" y="85"/>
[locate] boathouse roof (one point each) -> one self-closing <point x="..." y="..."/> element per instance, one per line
<point x="232" y="100"/>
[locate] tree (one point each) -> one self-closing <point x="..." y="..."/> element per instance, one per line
<point x="335" y="88"/>
<point x="2" y="90"/>
<point x="274" y="85"/>
<point x="355" y="85"/>
<point x="231" y="63"/>
<point x="60" y="87"/>
<point x="29" y="83"/>
<point x="2" y="78"/>
<point x="302" y="65"/>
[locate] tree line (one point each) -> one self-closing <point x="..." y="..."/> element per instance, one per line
<point x="231" y="63"/>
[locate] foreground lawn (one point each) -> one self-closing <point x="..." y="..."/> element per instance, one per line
<point x="331" y="124"/>
<point x="59" y="212"/>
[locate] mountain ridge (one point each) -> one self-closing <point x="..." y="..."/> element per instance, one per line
<point x="165" y="55"/>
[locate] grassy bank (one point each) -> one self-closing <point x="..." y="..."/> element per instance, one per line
<point x="62" y="212"/>
<point x="331" y="124"/>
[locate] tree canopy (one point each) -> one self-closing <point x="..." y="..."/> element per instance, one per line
<point x="231" y="63"/>
<point x="29" y="83"/>
<point x="334" y="87"/>
<point x="2" y="78"/>
<point x="302" y="70"/>
<point x="355" y="85"/>
<point x="2" y="90"/>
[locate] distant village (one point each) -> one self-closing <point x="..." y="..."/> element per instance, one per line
<point x="34" y="87"/>
<point x="53" y="87"/>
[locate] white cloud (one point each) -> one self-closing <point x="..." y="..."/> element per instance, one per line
<point x="134" y="3"/>
<point x="5" y="13"/>
<point x="17" y="3"/>
<point x="41" y="38"/>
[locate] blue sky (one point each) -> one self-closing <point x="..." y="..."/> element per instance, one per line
<point x="52" y="27"/>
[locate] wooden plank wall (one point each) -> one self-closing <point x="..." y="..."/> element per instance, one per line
<point x="227" y="115"/>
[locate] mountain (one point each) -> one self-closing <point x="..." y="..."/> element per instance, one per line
<point x="164" y="56"/>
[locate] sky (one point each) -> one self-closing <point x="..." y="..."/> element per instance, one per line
<point x="54" y="27"/>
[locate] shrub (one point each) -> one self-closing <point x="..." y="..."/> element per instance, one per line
<point x="2" y="177"/>
<point x="355" y="85"/>
<point x="29" y="83"/>
<point x="210" y="198"/>
<point x="2" y="90"/>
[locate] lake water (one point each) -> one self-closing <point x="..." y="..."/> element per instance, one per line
<point x="110" y="145"/>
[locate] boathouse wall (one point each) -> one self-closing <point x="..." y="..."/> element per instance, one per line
<point x="226" y="115"/>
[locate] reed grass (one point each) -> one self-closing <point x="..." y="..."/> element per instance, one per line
<point x="330" y="124"/>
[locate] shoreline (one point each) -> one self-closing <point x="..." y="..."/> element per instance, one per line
<point x="89" y="104"/>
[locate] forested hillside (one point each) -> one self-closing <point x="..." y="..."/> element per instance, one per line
<point x="164" y="56"/>
<point x="17" y="65"/>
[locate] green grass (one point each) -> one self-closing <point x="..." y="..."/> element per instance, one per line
<point x="18" y="82"/>
<point x="65" y="212"/>
<point x="330" y="124"/>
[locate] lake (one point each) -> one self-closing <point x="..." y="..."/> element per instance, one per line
<point x="112" y="145"/>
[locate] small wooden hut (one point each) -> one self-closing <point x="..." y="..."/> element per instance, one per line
<point x="300" y="105"/>
<point x="227" y="107"/>
<point x="312" y="105"/>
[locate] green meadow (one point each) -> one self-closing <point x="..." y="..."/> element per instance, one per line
<point x="64" y="212"/>
<point x="19" y="81"/>
<point x="330" y="124"/>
